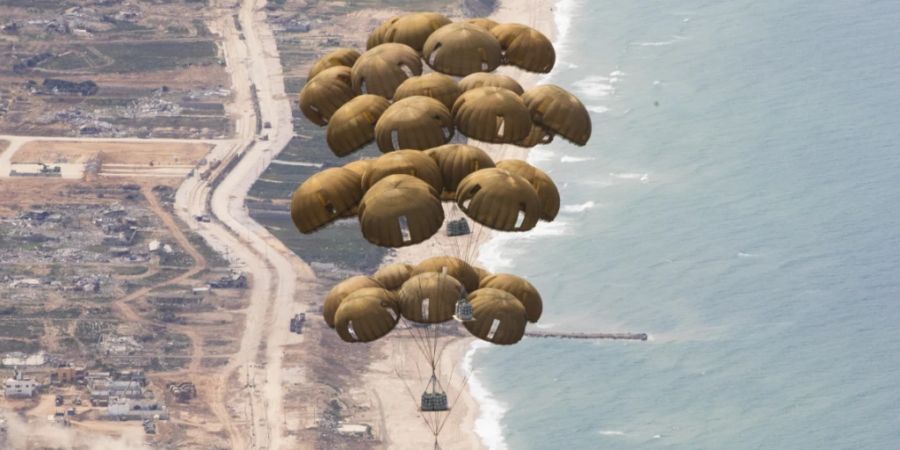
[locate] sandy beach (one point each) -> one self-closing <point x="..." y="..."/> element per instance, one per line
<point x="394" y="380"/>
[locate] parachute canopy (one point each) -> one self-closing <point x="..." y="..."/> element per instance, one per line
<point x="340" y="291"/>
<point x="521" y="289"/>
<point x="366" y="315"/>
<point x="338" y="57"/>
<point x="455" y="267"/>
<point x="353" y="125"/>
<point x="499" y="199"/>
<point x="435" y="85"/>
<point x="430" y="297"/>
<point x="400" y="210"/>
<point x="324" y="197"/>
<point x="456" y="161"/>
<point x="525" y="47"/>
<point x="482" y="79"/>
<point x="408" y="162"/>
<point x="559" y="111"/>
<point x="492" y="114"/>
<point x="462" y="48"/>
<point x="548" y="194"/>
<point x="416" y="123"/>
<point x="413" y="29"/>
<point x="324" y="94"/>
<point x="482" y="22"/>
<point x="380" y="71"/>
<point x="499" y="317"/>
<point x="392" y="276"/>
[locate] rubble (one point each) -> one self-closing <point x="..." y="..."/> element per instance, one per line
<point x="53" y="86"/>
<point x="183" y="392"/>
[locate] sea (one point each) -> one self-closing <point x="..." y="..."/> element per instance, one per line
<point x="739" y="201"/>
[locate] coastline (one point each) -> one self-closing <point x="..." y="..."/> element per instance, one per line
<point x="467" y="427"/>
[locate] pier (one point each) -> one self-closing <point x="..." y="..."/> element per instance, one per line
<point x="594" y="336"/>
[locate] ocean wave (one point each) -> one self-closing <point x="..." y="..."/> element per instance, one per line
<point x="642" y="177"/>
<point x="568" y="159"/>
<point x="595" y="86"/>
<point x="487" y="425"/>
<point x="578" y="208"/>
<point x="296" y="163"/>
<point x="611" y="433"/>
<point x="598" y="109"/>
<point x="537" y="155"/>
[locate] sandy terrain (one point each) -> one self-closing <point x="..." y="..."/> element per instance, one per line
<point x="137" y="153"/>
<point x="391" y="391"/>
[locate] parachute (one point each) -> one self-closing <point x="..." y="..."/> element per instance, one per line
<point x="559" y="111"/>
<point x="401" y="94"/>
<point x="485" y="106"/>
<point x="338" y="57"/>
<point x="548" y="194"/>
<point x="416" y="122"/>
<point x="525" y="47"/>
<point x="382" y="69"/>
<point x="460" y="49"/>
<point x="409" y="162"/>
<point x="435" y="85"/>
<point x="499" y="199"/>
<point x="323" y="95"/>
<point x="482" y="79"/>
<point x="400" y="210"/>
<point x="413" y="29"/>
<point x="492" y="114"/>
<point x="353" y="125"/>
<point x="456" y="161"/>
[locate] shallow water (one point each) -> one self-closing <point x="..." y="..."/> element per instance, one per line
<point x="739" y="202"/>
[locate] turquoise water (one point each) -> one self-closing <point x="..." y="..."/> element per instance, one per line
<point x="749" y="221"/>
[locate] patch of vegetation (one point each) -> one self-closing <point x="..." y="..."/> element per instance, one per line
<point x="23" y="329"/>
<point x="158" y="55"/>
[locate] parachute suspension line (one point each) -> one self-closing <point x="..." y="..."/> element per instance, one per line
<point x="432" y="426"/>
<point x="452" y="405"/>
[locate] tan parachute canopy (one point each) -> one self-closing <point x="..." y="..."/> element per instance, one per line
<point x="380" y="70"/>
<point x="482" y="273"/>
<point x="521" y="289"/>
<point x="413" y="29"/>
<point x="407" y="162"/>
<point x="353" y="125"/>
<point x="360" y="166"/>
<point x="429" y="297"/>
<point x="337" y="57"/>
<point x="324" y="197"/>
<point x="559" y="111"/>
<point x="492" y="114"/>
<point x="376" y="37"/>
<point x="461" y="48"/>
<point x="416" y="123"/>
<point x="456" y="161"/>
<point x="324" y="94"/>
<point x="538" y="135"/>
<point x="482" y="22"/>
<point x="366" y="315"/>
<point x="435" y="85"/>
<point x="392" y="276"/>
<point x="499" y="199"/>
<point x="340" y="291"/>
<point x="525" y="47"/>
<point x="455" y="267"/>
<point x="498" y="316"/>
<point x="400" y="210"/>
<point x="481" y="79"/>
<point x="546" y="189"/>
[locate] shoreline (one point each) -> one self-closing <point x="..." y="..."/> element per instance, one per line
<point x="401" y="424"/>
